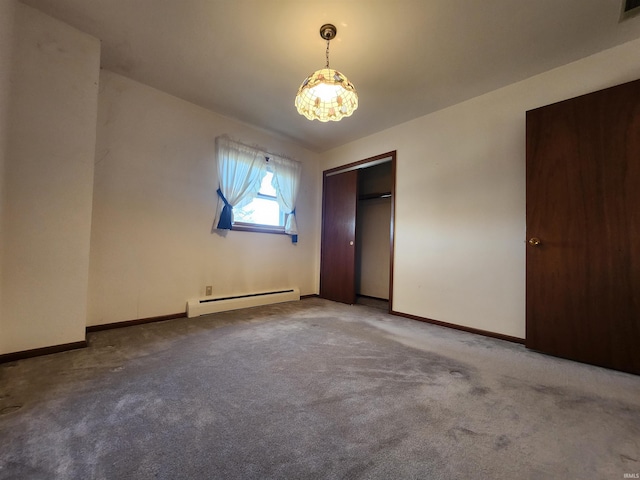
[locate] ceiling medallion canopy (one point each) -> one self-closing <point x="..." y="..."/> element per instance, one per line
<point x="326" y="94"/>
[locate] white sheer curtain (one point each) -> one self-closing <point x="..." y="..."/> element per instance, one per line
<point x="286" y="181"/>
<point x="240" y="171"/>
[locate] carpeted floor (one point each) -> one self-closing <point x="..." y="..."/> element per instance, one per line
<point x="312" y="390"/>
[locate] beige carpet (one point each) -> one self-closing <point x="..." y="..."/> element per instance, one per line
<point x="312" y="390"/>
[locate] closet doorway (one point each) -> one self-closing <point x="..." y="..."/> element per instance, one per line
<point x="356" y="264"/>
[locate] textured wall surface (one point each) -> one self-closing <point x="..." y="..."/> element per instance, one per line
<point x="48" y="183"/>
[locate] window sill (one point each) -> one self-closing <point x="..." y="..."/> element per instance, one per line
<point x="252" y="227"/>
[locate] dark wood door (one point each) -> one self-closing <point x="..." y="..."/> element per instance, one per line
<point x="583" y="205"/>
<point x="338" y="259"/>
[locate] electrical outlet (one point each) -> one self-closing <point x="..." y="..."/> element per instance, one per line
<point x="209" y="290"/>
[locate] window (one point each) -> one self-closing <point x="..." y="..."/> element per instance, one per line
<point x="263" y="211"/>
<point x="257" y="191"/>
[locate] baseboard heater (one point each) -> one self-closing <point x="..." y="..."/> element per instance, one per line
<point x="203" y="306"/>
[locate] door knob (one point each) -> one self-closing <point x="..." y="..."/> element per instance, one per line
<point x="534" y="242"/>
<point x="351" y="243"/>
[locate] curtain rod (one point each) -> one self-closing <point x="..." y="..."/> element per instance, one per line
<point x="258" y="148"/>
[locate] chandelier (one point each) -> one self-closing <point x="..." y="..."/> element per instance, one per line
<point x="326" y="94"/>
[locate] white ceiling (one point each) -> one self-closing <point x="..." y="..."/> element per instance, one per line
<point x="246" y="58"/>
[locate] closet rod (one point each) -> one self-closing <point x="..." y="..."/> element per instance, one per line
<point x="373" y="196"/>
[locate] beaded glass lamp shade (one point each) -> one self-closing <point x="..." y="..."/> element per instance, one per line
<point x="326" y="95"/>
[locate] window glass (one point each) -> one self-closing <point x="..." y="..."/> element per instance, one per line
<point x="263" y="209"/>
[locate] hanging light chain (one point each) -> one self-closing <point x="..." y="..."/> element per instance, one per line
<point x="328" y="53"/>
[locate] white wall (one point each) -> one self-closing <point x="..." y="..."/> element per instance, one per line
<point x="48" y="183"/>
<point x="152" y="246"/>
<point x="460" y="198"/>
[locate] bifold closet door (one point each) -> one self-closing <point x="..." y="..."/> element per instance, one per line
<point x="583" y="228"/>
<point x="338" y="258"/>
